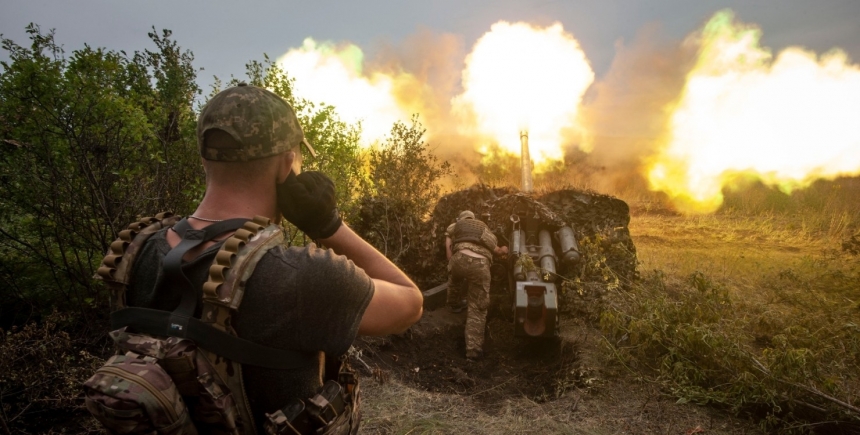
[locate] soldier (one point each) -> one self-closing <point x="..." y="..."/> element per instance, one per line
<point x="470" y="246"/>
<point x="304" y="299"/>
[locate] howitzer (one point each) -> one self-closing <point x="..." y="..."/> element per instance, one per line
<point x="533" y="264"/>
<point x="543" y="233"/>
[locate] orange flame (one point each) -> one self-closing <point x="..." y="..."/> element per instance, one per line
<point x="787" y="121"/>
<point x="521" y="77"/>
<point x="328" y="74"/>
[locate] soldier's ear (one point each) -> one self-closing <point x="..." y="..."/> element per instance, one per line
<point x="285" y="165"/>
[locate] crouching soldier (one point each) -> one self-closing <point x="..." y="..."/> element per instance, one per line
<point x="470" y="246"/>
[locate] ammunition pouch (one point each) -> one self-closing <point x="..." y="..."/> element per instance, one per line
<point x="334" y="410"/>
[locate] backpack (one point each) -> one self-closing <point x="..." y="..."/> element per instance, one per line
<point x="174" y="374"/>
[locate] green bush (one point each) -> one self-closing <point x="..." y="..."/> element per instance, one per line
<point x="401" y="186"/>
<point x="90" y="143"/>
<point x="791" y="362"/>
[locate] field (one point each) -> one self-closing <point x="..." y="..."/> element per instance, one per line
<point x="742" y="323"/>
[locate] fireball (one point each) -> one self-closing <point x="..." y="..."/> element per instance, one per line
<point x="787" y="120"/>
<point x="333" y="75"/>
<point x="521" y="77"/>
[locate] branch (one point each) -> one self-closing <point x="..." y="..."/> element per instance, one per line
<point x="807" y="388"/>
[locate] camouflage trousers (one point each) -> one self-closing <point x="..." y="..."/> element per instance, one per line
<point x="473" y="273"/>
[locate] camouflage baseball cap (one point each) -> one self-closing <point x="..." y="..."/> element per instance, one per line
<point x="261" y="122"/>
<point x="466" y="214"/>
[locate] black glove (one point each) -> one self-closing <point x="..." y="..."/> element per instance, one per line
<point x="308" y="201"/>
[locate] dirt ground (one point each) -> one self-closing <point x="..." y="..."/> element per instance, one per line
<point x="422" y="383"/>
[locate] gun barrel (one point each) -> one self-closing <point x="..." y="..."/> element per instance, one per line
<point x="526" y="162"/>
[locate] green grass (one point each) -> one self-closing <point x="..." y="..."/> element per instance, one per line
<point x="753" y="310"/>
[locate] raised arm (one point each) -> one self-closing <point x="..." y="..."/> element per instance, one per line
<point x="308" y="201"/>
<point x="397" y="302"/>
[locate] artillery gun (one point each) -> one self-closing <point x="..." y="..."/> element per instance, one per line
<point x="543" y="235"/>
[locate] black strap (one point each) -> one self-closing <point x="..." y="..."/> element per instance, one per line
<point x="172" y="264"/>
<point x="162" y="323"/>
<point x="181" y="322"/>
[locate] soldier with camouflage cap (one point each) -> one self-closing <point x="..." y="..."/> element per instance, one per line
<point x="261" y="123"/>
<point x="298" y="298"/>
<point x="470" y="246"/>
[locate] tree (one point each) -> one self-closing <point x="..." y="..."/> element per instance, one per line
<point x="401" y="186"/>
<point x="90" y="143"/>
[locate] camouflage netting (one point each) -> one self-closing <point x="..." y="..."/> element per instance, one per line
<point x="599" y="222"/>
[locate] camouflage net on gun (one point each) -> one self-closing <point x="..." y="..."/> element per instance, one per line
<point x="599" y="222"/>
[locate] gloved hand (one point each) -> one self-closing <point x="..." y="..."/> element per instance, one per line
<point x="308" y="201"/>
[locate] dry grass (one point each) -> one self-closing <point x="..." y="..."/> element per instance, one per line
<point x="752" y="309"/>
<point x="395" y="408"/>
<point x="624" y="407"/>
<point x="728" y="248"/>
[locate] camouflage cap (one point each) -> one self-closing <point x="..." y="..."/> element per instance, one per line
<point x="466" y="214"/>
<point x="260" y="121"/>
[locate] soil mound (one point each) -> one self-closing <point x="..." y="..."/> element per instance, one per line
<point x="431" y="357"/>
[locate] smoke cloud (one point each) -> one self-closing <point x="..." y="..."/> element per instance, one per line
<point x="626" y="114"/>
<point x="622" y="120"/>
<point x="616" y="132"/>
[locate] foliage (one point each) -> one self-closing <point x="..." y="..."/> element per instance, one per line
<point x="402" y="185"/>
<point x="585" y="291"/>
<point x="89" y="142"/>
<point x="791" y="361"/>
<point x="41" y="371"/>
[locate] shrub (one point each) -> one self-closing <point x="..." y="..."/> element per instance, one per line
<point x="41" y="371"/>
<point x="791" y="362"/>
<point x="401" y="187"/>
<point x="90" y="142"/>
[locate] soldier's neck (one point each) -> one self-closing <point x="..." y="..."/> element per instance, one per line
<point x="220" y="204"/>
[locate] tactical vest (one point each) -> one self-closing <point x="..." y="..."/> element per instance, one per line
<point x="473" y="231"/>
<point x="175" y="374"/>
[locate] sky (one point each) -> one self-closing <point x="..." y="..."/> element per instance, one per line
<point x="654" y="106"/>
<point x="224" y="35"/>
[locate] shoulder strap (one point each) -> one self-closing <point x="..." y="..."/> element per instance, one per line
<point x="222" y="294"/>
<point x="221" y="339"/>
<point x="233" y="265"/>
<point x="117" y="264"/>
<point x="191" y="238"/>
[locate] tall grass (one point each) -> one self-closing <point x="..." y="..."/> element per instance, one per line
<point x="826" y="209"/>
<point x="753" y="309"/>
